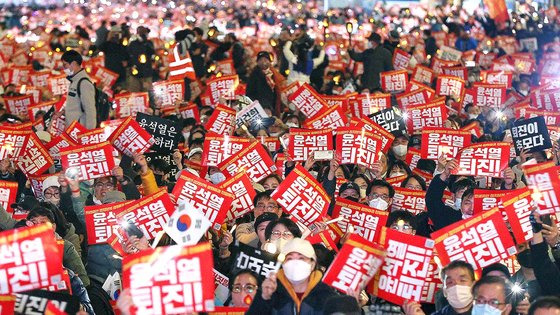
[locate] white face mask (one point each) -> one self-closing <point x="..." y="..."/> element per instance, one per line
<point x="523" y="92"/>
<point x="400" y="150"/>
<point x="274" y="134"/>
<point x="457" y="205"/>
<point x="466" y="216"/>
<point x="396" y="174"/>
<point x="459" y="296"/>
<point x="378" y="203"/>
<point x="473" y="116"/>
<point x="68" y="72"/>
<point x="314" y="173"/>
<point x="292" y="125"/>
<point x="296" y="270"/>
<point x="485" y="309"/>
<point x="217" y="178"/>
<point x="186" y="135"/>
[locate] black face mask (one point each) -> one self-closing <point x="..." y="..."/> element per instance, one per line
<point x="524" y="258"/>
<point x="352" y="198"/>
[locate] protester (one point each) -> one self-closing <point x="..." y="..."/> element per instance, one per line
<point x="307" y="159"/>
<point x="80" y="104"/>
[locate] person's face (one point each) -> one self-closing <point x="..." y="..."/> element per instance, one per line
<point x="281" y="231"/>
<point x="380" y="192"/>
<point x="400" y="141"/>
<point x="396" y="171"/>
<point x="361" y="183"/>
<point x="413" y="184"/>
<point x="547" y="311"/>
<point x="294" y="255"/>
<point x="467" y="205"/>
<point x="350" y="193"/>
<point x="197" y="135"/>
<point x="267" y="205"/>
<point x="243" y="290"/>
<point x="494" y="295"/>
<point x="103" y="186"/>
<point x="459" y="193"/>
<point x="39" y="220"/>
<point x="497" y="273"/>
<point x="475" y="110"/>
<point x="52" y="192"/>
<point x="270" y="183"/>
<point x="403" y="226"/>
<point x="457" y="276"/>
<point x="197" y="157"/>
<point x="339" y="173"/>
<point x="262" y="133"/>
<point x="260" y="231"/>
<point x="263" y="63"/>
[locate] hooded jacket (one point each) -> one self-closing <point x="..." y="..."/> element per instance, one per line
<point x="81" y="107"/>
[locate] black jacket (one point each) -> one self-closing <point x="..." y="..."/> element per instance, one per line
<point x="281" y="303"/>
<point x="546" y="272"/>
<point x="136" y="48"/>
<point x="376" y="60"/>
<point x="440" y="214"/>
<point x="259" y="90"/>
<point x="115" y="54"/>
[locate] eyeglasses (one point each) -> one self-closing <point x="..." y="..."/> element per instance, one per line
<point x="37" y="222"/>
<point x="383" y="196"/>
<point x="494" y="303"/>
<point x="249" y="288"/>
<point x="401" y="227"/>
<point x="48" y="195"/>
<point x="104" y="185"/>
<point x="284" y="235"/>
<point x="268" y="207"/>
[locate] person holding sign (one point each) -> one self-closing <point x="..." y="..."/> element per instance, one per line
<point x="296" y="286"/>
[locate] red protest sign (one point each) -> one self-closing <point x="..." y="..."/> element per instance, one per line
<point x="88" y="162"/>
<point x="59" y="142"/>
<point x="438" y="64"/>
<point x="413" y="155"/>
<point x="358" y="146"/>
<point x="450" y="86"/>
<point x="370" y="125"/>
<point x="101" y="221"/>
<point x="167" y="93"/>
<point x="190" y="111"/>
<point x="367" y="104"/>
<point x="400" y="59"/>
<point x="415" y="97"/>
<point x="253" y="160"/>
<point x="406" y="267"/>
<point x="442" y="141"/>
<point x="411" y="200"/>
<point x="457" y="72"/>
<point x="355" y="264"/>
<point x="13" y="142"/>
<point x="128" y="104"/>
<point x="43" y="106"/>
<point x="30" y="259"/>
<point x="484" y="159"/>
<point x="271" y="143"/>
<point x="222" y="87"/>
<point x="170" y="280"/>
<point x="92" y="136"/>
<point x="394" y="81"/>
<point x="218" y="148"/>
<point x="35" y="159"/>
<point x="8" y="194"/>
<point x="423" y="74"/>
<point x="240" y="186"/>
<point x="130" y="138"/>
<point x="222" y="120"/>
<point x="40" y="78"/>
<point x="365" y="221"/>
<point x="302" y="196"/>
<point x="432" y="114"/>
<point x="18" y="105"/>
<point x="209" y="199"/>
<point x="74" y="129"/>
<point x="308" y="101"/>
<point x="149" y="214"/>
<point x="518" y="206"/>
<point x="493" y="95"/>
<point x="58" y="85"/>
<point x="106" y="77"/>
<point x="496" y="77"/>
<point x="542" y="178"/>
<point x="481" y="240"/>
<point x="332" y="117"/>
<point x="303" y="142"/>
<point x="486" y="200"/>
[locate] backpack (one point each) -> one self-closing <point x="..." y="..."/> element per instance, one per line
<point x="102" y="103"/>
<point x="100" y="300"/>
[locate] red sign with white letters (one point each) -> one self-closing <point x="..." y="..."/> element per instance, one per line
<point x="240" y="186"/>
<point x="358" y="146"/>
<point x="308" y="101"/>
<point x="128" y="104"/>
<point x="253" y="160"/>
<point x="441" y="141"/>
<point x="484" y="159"/>
<point x="411" y="200"/>
<point x="130" y="138"/>
<point x="88" y="162"/>
<point x="432" y="114"/>
<point x="543" y="179"/>
<point x="518" y="206"/>
<point x="303" y="142"/>
<point x="302" y="196"/>
<point x="222" y="120"/>
<point x="365" y="221"/>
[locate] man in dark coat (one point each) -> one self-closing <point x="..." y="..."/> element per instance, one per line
<point x="376" y="59"/>
<point x="264" y="83"/>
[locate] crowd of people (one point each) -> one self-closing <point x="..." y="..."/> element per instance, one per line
<point x="272" y="47"/>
